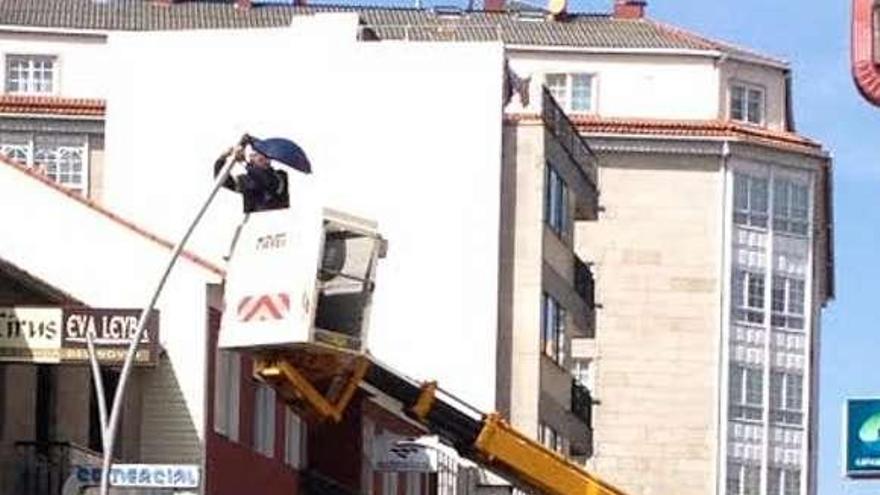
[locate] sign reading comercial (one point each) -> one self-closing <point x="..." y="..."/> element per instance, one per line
<point x="167" y="476"/>
<point x="58" y="334"/>
<point x="862" y="438"/>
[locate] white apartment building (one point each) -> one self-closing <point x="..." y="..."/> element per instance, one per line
<point x="710" y="243"/>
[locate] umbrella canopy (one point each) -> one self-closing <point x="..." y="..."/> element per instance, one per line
<point x="284" y="151"/>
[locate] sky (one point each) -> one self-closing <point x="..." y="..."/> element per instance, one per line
<point x="813" y="36"/>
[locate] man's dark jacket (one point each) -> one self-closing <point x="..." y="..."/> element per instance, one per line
<point x="261" y="188"/>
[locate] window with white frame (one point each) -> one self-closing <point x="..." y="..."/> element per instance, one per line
<point x="264" y="420"/>
<point x="783" y="481"/>
<point x="787" y="303"/>
<point x="791" y="205"/>
<point x="748" y="296"/>
<point x="227" y="379"/>
<point x="746" y="103"/>
<point x="786" y="397"/>
<point x="572" y="91"/>
<point x="556" y="214"/>
<point x="294" y="440"/>
<point x="552" y="329"/>
<point x="61" y="158"/>
<point x="549" y="437"/>
<point x="746" y="392"/>
<point x="31" y="74"/>
<point x="743" y="479"/>
<point x="750" y="200"/>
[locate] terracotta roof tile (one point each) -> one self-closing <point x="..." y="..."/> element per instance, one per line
<point x="51" y="105"/>
<point x="111" y="216"/>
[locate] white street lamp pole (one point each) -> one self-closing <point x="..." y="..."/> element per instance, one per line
<point x="109" y="432"/>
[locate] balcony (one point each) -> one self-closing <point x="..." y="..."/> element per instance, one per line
<point x="584" y="284"/>
<point x="582" y="403"/>
<point x="583" y="175"/>
<point x="41" y="468"/>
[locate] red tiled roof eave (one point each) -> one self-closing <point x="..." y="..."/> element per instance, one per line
<point x="682" y="128"/>
<point x="51" y="105"/>
<point x="112" y="216"/>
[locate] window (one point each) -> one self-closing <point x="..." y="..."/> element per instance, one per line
<point x="746" y="392"/>
<point x="548" y="437"/>
<point x="583" y="372"/>
<point x="552" y="329"/>
<point x="413" y="483"/>
<point x="294" y="440"/>
<point x="30" y="74"/>
<point x="389" y="484"/>
<point x="573" y="92"/>
<point x="787" y="302"/>
<point x="61" y="158"/>
<point x="786" y="397"/>
<point x="748" y="296"/>
<point x="747" y="103"/>
<point x="264" y="420"/>
<point x="556" y="214"/>
<point x="750" y="200"/>
<point x="227" y="376"/>
<point x="784" y="481"/>
<point x="743" y="479"/>
<point x="791" y="206"/>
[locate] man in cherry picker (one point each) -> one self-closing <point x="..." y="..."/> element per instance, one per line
<point x="262" y="186"/>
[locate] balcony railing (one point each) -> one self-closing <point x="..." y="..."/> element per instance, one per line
<point x="582" y="402"/>
<point x="560" y="126"/>
<point x="584" y="284"/>
<point x="41" y="468"/>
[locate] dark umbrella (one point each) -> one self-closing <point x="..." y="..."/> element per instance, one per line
<point x="284" y="151"/>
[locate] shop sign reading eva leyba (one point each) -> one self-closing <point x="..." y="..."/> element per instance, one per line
<point x="862" y="438"/>
<point x="58" y="334"/>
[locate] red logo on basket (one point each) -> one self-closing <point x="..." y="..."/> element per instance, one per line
<point x="264" y="307"/>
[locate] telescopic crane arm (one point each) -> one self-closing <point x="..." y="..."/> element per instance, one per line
<point x="484" y="438"/>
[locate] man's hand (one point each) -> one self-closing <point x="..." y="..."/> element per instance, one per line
<point x="238" y="152"/>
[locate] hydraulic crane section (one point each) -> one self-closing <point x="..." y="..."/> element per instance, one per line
<point x="298" y="292"/>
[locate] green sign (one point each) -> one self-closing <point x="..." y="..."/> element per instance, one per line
<point x="862" y="437"/>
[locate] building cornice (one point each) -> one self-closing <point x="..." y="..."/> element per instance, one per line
<point x="655" y="130"/>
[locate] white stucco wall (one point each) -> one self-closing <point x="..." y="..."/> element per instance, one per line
<point x="632" y="85"/>
<point x="107" y="265"/>
<point x="81" y="68"/>
<point x="402" y="133"/>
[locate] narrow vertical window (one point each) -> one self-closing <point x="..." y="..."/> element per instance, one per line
<point x="552" y="329"/>
<point x="750" y="200"/>
<point x="264" y="420"/>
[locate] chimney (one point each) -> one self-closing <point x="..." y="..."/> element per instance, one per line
<point x="495" y="5"/>
<point x="629" y="9"/>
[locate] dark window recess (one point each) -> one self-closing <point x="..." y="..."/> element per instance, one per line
<point x="582" y="403"/>
<point x="47" y="379"/>
<point x="584" y="284"/>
